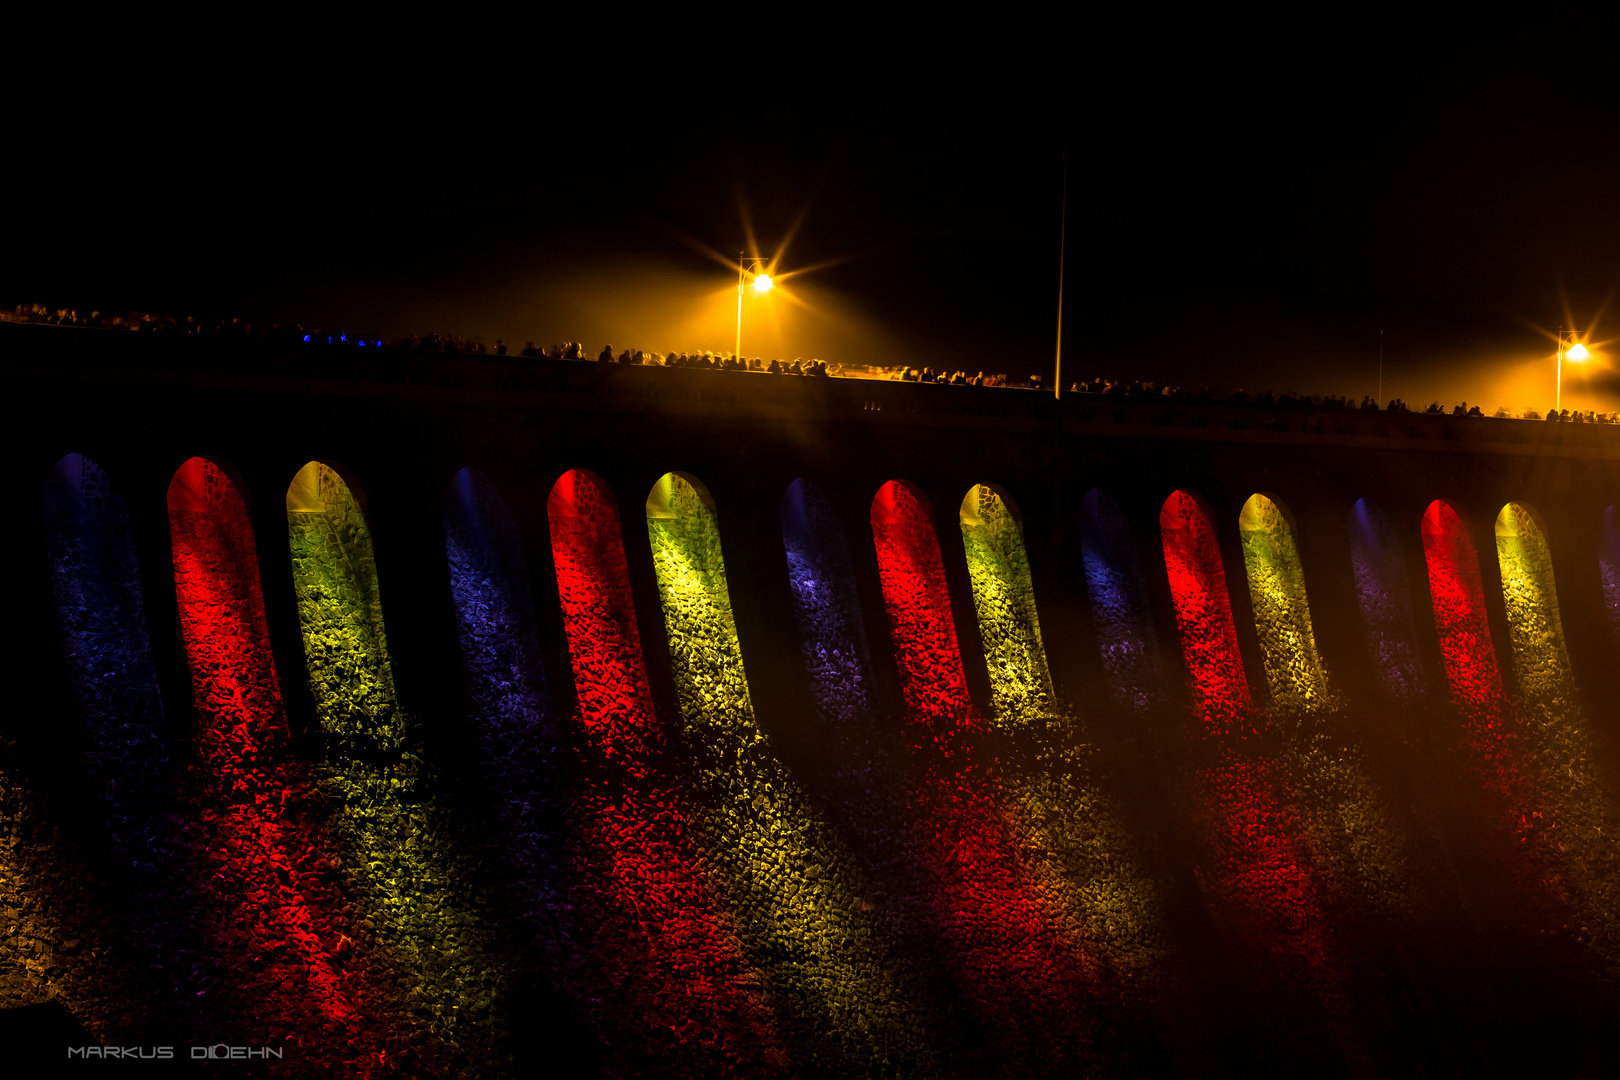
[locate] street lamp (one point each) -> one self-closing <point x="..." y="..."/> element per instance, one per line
<point x="1570" y="345"/>
<point x="762" y="285"/>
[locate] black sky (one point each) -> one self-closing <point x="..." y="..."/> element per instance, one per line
<point x="1238" y="217"/>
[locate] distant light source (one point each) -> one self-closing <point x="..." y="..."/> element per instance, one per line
<point x="1569" y="345"/>
<point x="763" y="283"/>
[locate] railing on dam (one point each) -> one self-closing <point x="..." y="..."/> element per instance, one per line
<point x="677" y="734"/>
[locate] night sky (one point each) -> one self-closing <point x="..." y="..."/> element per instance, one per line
<point x="1245" y="218"/>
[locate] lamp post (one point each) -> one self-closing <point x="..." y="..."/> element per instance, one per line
<point x="1063" y="239"/>
<point x="762" y="284"/>
<point x="1570" y="345"/>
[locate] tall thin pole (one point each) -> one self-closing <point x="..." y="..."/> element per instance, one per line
<point x="1558" y="394"/>
<point x="738" y="350"/>
<point x="1063" y="235"/>
<point x="1380" y="369"/>
<point x="1057" y="375"/>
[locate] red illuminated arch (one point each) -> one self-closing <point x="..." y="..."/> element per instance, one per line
<point x="222" y="619"/>
<point x="1460" y="619"/>
<point x="1268" y="888"/>
<point x="633" y="849"/>
<point x="593" y="584"/>
<point x="1192" y="559"/>
<point x="914" y="593"/>
<point x="241" y="737"/>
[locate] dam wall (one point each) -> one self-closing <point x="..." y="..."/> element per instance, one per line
<point x="427" y="713"/>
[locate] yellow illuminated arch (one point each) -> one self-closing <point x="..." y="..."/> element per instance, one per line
<point x="1282" y="614"/>
<point x="1004" y="599"/>
<point x="1540" y="657"/>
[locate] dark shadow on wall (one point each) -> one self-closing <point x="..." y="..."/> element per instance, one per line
<point x="1609" y="561"/>
<point x="862" y="779"/>
<point x="124" y="783"/>
<point x="1385" y="597"/>
<point x="845" y="994"/>
<point x="1126" y="638"/>
<point x="522" y="782"/>
<point x="102" y="626"/>
<point x="827" y="609"/>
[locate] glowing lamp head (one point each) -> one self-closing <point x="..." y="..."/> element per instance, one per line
<point x="1578" y="351"/>
<point x="763" y="283"/>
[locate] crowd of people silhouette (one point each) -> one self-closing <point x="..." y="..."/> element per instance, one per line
<point x="293" y="336"/>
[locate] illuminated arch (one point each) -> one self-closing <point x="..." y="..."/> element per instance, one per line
<point x="242" y="734"/>
<point x="691" y="570"/>
<point x="222" y="619"/>
<point x="1013" y="919"/>
<point x="1540" y="656"/>
<point x="1564" y="816"/>
<point x="919" y="607"/>
<point x="821" y="577"/>
<point x="1005" y="953"/>
<point x="101" y="618"/>
<point x="632" y="858"/>
<point x="818" y="949"/>
<point x="311" y="487"/>
<point x="1282" y="613"/>
<point x="599" y="617"/>
<point x="96" y="582"/>
<point x="1385" y="598"/>
<point x="373" y="759"/>
<point x="489" y="586"/>
<point x="1192" y="558"/>
<point x="1459" y="609"/>
<point x="1609" y="569"/>
<point x="1004" y="600"/>
<point x="1268" y="890"/>
<point x="1338" y="796"/>
<point x="340" y="612"/>
<point x="1572" y="805"/>
<point x="1119" y="605"/>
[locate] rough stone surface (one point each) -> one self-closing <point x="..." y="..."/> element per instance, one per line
<point x="1282" y="613"/>
<point x="1609" y="570"/>
<point x="903" y="888"/>
<point x="1119" y="607"/>
<point x="1357" y="845"/>
<point x="801" y="904"/>
<point x="1259" y="874"/>
<point x="1041" y="906"/>
<point x="1576" y="821"/>
<point x="425" y="929"/>
<point x="275" y="915"/>
<point x="1385" y="598"/>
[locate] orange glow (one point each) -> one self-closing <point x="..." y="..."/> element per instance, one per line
<point x="1578" y="352"/>
<point x="763" y="283"/>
